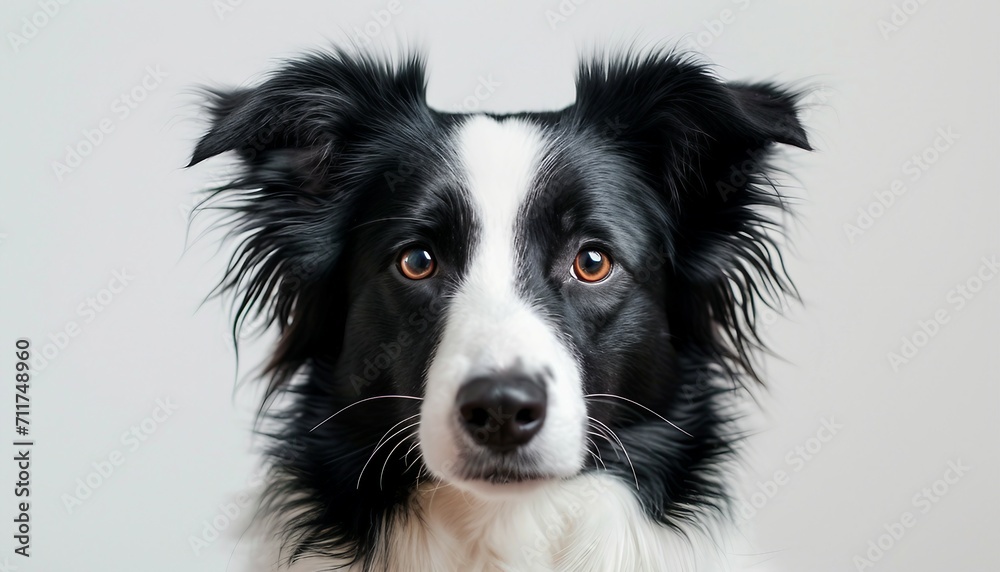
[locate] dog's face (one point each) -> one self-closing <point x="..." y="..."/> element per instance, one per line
<point x="537" y="289"/>
<point x="518" y="250"/>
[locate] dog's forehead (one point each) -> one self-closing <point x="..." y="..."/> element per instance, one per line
<point x="521" y="176"/>
<point x="531" y="175"/>
<point x="499" y="162"/>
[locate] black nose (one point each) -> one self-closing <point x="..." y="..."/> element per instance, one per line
<point x="502" y="411"/>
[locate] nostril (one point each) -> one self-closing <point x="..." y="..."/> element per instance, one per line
<point x="502" y="411"/>
<point x="475" y="416"/>
<point x="526" y="415"/>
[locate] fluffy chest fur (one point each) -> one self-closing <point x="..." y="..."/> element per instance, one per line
<point x="591" y="523"/>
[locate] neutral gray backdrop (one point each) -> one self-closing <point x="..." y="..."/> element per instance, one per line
<point x="815" y="498"/>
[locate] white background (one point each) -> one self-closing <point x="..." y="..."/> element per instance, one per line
<point x="880" y="98"/>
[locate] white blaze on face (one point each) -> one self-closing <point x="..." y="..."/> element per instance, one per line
<point x="489" y="326"/>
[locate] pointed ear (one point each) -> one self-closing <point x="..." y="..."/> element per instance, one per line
<point x="771" y="111"/>
<point x="704" y="145"/>
<point x="295" y="137"/>
<point x="725" y="211"/>
<point x="228" y="110"/>
<point x="310" y="108"/>
<point x="706" y="148"/>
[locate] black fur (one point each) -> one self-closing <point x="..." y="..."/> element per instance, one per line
<point x="343" y="163"/>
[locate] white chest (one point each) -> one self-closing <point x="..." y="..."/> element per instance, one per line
<point x="592" y="523"/>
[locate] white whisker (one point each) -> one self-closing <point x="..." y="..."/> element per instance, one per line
<point x="637" y="404"/>
<point x="396" y="425"/>
<point x="596" y="454"/>
<point x="389" y="456"/>
<point x="379" y="447"/>
<point x="414" y="462"/>
<point x="606" y="438"/>
<point x="410" y="450"/>
<point x="624" y="450"/>
<point x="362" y="401"/>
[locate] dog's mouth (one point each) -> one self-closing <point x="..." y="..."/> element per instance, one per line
<point x="506" y="476"/>
<point x="504" y="469"/>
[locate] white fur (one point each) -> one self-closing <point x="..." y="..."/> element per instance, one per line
<point x="591" y="523"/>
<point x="488" y="326"/>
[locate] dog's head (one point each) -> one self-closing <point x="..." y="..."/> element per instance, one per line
<point x="537" y="288"/>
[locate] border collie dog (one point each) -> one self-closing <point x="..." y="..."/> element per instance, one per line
<point x="506" y="341"/>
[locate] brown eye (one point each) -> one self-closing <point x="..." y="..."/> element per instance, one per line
<point x="416" y="263"/>
<point x="591" y="265"/>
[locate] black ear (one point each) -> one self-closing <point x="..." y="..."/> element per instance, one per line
<point x="726" y="203"/>
<point x="311" y="107"/>
<point x="772" y="111"/>
<point x="297" y="137"/>
<point x="705" y="146"/>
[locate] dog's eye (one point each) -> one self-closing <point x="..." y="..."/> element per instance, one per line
<point x="416" y="263"/>
<point x="591" y="265"/>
